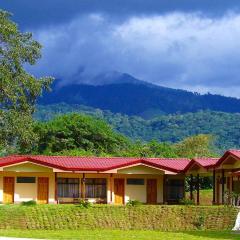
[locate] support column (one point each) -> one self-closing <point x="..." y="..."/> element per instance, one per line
<point x="191" y="187"/>
<point x="214" y="187"/>
<point x="198" y="197"/>
<point x="111" y="188"/>
<point x="56" y="188"/>
<point x="222" y="186"/>
<point x="83" y="187"/>
<point x="165" y="189"/>
<point x="230" y="190"/>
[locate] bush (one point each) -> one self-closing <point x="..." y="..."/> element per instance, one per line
<point x="200" y="221"/>
<point x="133" y="203"/>
<point x="29" y="203"/>
<point x="84" y="204"/>
<point x="186" y="201"/>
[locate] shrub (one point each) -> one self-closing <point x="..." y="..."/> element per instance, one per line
<point x="232" y="198"/>
<point x="200" y="221"/>
<point x="133" y="203"/>
<point x="84" y="204"/>
<point x="29" y="203"/>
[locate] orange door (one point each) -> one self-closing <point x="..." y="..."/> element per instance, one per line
<point x="119" y="190"/>
<point x="8" y="189"/>
<point x="43" y="184"/>
<point x="152" y="191"/>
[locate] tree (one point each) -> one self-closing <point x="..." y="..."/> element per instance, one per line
<point x="150" y="149"/>
<point x="196" y="146"/>
<point x="18" y="88"/>
<point x="75" y="131"/>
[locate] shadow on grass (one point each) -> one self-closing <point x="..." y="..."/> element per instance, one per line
<point x="215" y="234"/>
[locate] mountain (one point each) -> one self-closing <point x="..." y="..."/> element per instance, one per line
<point x="165" y="128"/>
<point x="115" y="77"/>
<point x="122" y="93"/>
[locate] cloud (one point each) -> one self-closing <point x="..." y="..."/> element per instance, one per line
<point x="29" y="13"/>
<point x="180" y="50"/>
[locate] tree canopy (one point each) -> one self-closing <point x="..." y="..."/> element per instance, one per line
<point x="18" y="88"/>
<point x="79" y="132"/>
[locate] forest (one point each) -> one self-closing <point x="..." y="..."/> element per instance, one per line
<point x="170" y="128"/>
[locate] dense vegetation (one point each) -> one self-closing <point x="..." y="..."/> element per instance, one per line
<point x="84" y="134"/>
<point x="76" y="134"/>
<point x="172" y="128"/>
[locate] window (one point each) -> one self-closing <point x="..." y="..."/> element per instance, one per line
<point x="135" y="181"/>
<point x="175" y="189"/>
<point x="68" y="187"/>
<point x="26" y="179"/>
<point x="96" y="188"/>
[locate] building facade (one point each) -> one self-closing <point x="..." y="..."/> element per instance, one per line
<point x="62" y="179"/>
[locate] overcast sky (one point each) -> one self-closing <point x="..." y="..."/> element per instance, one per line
<point x="191" y="44"/>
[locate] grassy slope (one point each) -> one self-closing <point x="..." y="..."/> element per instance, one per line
<point x="120" y="235"/>
<point x="73" y="217"/>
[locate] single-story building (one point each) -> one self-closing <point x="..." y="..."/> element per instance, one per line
<point x="114" y="180"/>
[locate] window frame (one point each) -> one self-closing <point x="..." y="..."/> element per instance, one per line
<point x="64" y="186"/>
<point x="93" y="184"/>
<point x="26" y="181"/>
<point x="136" y="181"/>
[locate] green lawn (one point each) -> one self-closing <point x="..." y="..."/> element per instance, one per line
<point x="120" y="234"/>
<point x="206" y="196"/>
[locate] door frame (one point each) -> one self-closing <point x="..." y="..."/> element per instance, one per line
<point x="13" y="187"/>
<point x="123" y="195"/>
<point x="155" y="179"/>
<point x="47" y="189"/>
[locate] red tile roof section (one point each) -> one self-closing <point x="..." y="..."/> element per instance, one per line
<point x="97" y="163"/>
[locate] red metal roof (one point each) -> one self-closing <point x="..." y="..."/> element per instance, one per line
<point x="172" y="164"/>
<point x="206" y="162"/>
<point x="97" y="163"/>
<point x="234" y="152"/>
<point x="101" y="164"/>
<point x="202" y="162"/>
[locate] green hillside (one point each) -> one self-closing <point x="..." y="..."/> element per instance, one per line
<point x="165" y="128"/>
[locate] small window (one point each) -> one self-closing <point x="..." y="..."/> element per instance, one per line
<point x="26" y="179"/>
<point x="135" y="181"/>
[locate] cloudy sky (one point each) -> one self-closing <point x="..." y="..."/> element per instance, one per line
<point x="187" y="44"/>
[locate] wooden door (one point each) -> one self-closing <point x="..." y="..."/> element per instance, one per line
<point x="119" y="190"/>
<point x="8" y="189"/>
<point x="151" y="191"/>
<point x="43" y="184"/>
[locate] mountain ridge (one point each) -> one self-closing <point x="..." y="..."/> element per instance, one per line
<point x="135" y="97"/>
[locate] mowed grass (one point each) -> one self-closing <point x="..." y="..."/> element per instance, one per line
<point x="120" y="234"/>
